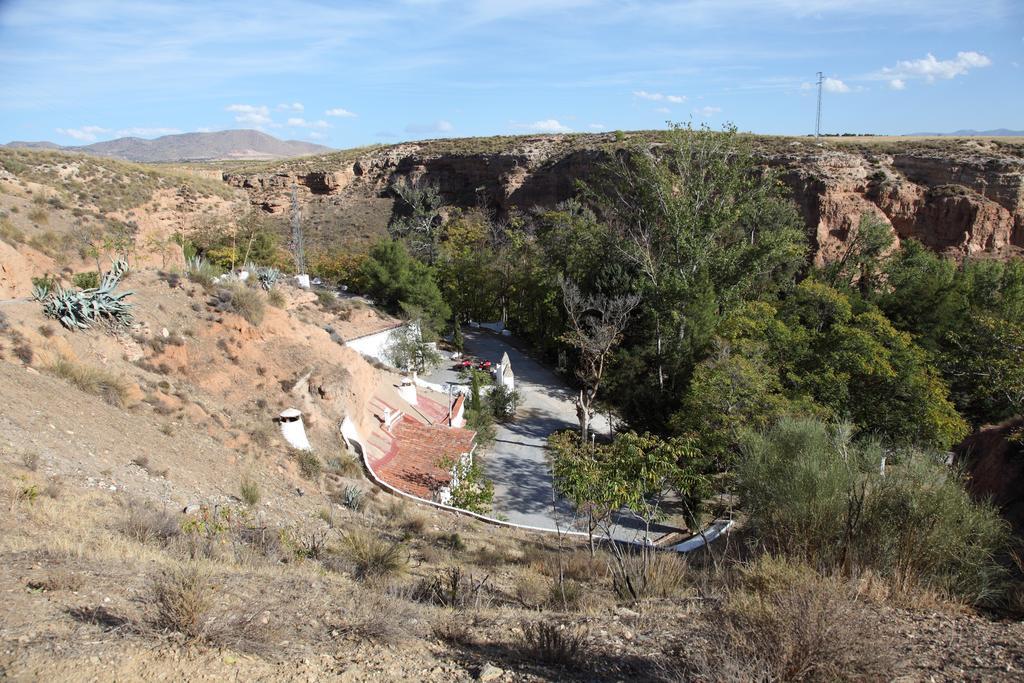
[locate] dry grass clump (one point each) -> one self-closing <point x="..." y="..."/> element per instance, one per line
<point x="551" y="643"/>
<point x="405" y="518"/>
<point x="787" y="623"/>
<point x="455" y="588"/>
<point x="309" y="464"/>
<point x="142" y="462"/>
<point x="377" y="617"/>
<point x="244" y="301"/>
<point x="30" y="459"/>
<point x="182" y="595"/>
<point x="650" y="574"/>
<point x="144" y="523"/>
<point x="91" y="380"/>
<point x="373" y="557"/>
<point x="275" y="298"/>
<point x="345" y="465"/>
<point x="250" y="491"/>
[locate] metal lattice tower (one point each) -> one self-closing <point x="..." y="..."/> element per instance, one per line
<point x="298" y="242"/>
<point x="817" y="120"/>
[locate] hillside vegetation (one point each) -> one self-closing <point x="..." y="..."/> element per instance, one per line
<point x="157" y="524"/>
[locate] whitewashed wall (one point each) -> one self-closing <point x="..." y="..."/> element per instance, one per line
<point x="372" y="345"/>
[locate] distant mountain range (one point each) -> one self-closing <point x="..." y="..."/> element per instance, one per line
<point x="998" y="132"/>
<point x="218" y="146"/>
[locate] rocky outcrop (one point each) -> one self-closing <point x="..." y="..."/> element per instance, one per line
<point x="956" y="198"/>
<point x="993" y="459"/>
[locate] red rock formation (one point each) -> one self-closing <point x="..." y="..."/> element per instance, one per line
<point x="957" y="198"/>
<point x="994" y="461"/>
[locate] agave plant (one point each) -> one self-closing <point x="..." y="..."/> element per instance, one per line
<point x="79" y="309"/>
<point x="268" y="277"/>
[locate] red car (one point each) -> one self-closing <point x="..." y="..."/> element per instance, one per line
<point x="483" y="365"/>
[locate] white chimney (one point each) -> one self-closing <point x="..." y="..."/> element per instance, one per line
<point x="293" y="430"/>
<point x="407" y="390"/>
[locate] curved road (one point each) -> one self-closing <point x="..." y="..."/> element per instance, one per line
<point x="517" y="462"/>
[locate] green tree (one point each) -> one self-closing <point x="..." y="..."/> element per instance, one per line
<point x="860" y="263"/>
<point x="634" y="473"/>
<point x="472" y="490"/>
<point x="397" y="281"/>
<point x="702" y="226"/>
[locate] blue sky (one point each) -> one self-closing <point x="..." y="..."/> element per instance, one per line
<point x="354" y="73"/>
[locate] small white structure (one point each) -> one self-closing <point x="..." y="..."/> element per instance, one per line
<point x="292" y="429"/>
<point x="302" y="281"/>
<point x="503" y="375"/>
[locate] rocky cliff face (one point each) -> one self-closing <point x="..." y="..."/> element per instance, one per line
<point x="959" y="197"/>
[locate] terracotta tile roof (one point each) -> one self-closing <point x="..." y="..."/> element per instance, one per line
<point x="414" y="451"/>
<point x="431" y="409"/>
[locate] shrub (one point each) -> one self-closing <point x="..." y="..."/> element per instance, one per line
<point x="39" y="215"/>
<point x="92" y="380"/>
<point x="346" y="465"/>
<point x="815" y="494"/>
<point x="503" y="403"/>
<point x="30" y="459"/>
<point x="87" y="280"/>
<point x="250" y="491"/>
<point x="182" y="596"/>
<point x="275" y="298"/>
<point x="808" y="629"/>
<point x="373" y="557"/>
<point x="309" y="464"/>
<point x="452" y="587"/>
<point x="239" y="299"/>
<point x="9" y="232"/>
<point x="651" y="575"/>
<point x="24" y="353"/>
<point x="552" y="643"/>
<point x="144" y="523"/>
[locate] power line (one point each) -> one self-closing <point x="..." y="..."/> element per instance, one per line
<point x="817" y="120"/>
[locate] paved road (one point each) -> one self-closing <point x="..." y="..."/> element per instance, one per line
<point x="516" y="463"/>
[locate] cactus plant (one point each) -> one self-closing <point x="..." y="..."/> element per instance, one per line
<point x="79" y="309"/>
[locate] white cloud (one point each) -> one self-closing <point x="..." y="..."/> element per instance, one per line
<point x="834" y="85"/>
<point x="296" y="122"/>
<point x="147" y="132"/>
<point x="338" y="111"/>
<point x="597" y="126"/>
<point x="707" y="112"/>
<point x="439" y="126"/>
<point x="930" y="69"/>
<point x="544" y="126"/>
<point x="659" y="97"/>
<point x="294" y="106"/>
<point x="897" y="84"/>
<point x="316" y="135"/>
<point x="255" y="115"/>
<point x="85" y="133"/>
